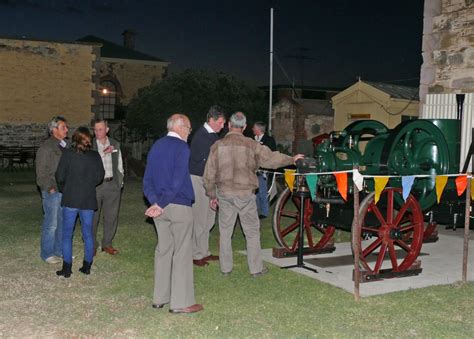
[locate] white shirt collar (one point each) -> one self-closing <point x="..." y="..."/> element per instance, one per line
<point x="259" y="137"/>
<point x="174" y="134"/>
<point x="208" y="128"/>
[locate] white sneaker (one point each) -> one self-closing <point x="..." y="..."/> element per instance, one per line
<point x="54" y="260"/>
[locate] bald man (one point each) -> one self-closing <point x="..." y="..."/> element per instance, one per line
<point x="168" y="188"/>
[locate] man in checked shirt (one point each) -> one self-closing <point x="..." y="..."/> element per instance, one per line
<point x="110" y="190"/>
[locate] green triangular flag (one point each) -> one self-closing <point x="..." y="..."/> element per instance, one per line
<point x="312" y="181"/>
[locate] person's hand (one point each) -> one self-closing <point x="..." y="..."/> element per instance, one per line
<point x="213" y="203"/>
<point x="108" y="149"/>
<point x="297" y="157"/>
<point x="154" y="211"/>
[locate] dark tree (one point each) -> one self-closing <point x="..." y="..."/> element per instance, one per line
<point x="192" y="92"/>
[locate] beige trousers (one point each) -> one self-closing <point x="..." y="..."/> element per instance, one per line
<point x="174" y="277"/>
<point x="246" y="209"/>
<point x="203" y="219"/>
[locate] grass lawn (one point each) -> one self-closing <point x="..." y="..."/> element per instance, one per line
<point x="115" y="300"/>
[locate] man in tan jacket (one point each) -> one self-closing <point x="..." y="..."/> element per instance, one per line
<point x="230" y="181"/>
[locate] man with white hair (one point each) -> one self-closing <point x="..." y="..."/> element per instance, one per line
<point x="46" y="162"/>
<point x="168" y="188"/>
<point x="230" y="181"/>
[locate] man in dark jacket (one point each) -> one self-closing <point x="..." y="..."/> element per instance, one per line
<point x="203" y="216"/>
<point x="259" y="129"/>
<point x="47" y="159"/>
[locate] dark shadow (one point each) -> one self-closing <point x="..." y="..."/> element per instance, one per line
<point x="347" y="260"/>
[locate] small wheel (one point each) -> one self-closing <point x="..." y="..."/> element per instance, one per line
<point x="389" y="230"/>
<point x="286" y="219"/>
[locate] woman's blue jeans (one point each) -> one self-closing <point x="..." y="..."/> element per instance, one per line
<point x="69" y="221"/>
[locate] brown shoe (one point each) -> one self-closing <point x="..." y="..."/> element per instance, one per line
<point x="110" y="250"/>
<point x="189" y="309"/>
<point x="200" y="262"/>
<point x="211" y="258"/>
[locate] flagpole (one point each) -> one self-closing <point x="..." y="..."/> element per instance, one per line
<point x="270" y="92"/>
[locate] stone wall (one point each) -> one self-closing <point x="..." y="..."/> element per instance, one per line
<point x="41" y="79"/>
<point x="131" y="75"/>
<point x="448" y="47"/>
<point x="293" y="128"/>
<point x="22" y="135"/>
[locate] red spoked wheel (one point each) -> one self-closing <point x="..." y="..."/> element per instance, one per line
<point x="389" y="233"/>
<point x="286" y="220"/>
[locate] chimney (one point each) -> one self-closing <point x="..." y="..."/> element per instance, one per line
<point x="129" y="38"/>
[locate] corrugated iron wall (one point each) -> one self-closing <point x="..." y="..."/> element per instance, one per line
<point x="444" y="106"/>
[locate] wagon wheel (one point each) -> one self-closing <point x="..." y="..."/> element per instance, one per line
<point x="286" y="221"/>
<point x="393" y="230"/>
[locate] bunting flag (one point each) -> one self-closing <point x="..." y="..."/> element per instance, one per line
<point x="290" y="178"/>
<point x="380" y="183"/>
<point x="407" y="183"/>
<point x="341" y="179"/>
<point x="312" y="181"/>
<point x="358" y="179"/>
<point x="461" y="184"/>
<point x="440" y="183"/>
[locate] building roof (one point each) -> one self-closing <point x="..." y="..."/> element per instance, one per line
<point x="304" y="88"/>
<point x="396" y="91"/>
<point x="112" y="50"/>
<point x="315" y="106"/>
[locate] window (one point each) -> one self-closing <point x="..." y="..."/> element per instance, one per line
<point x="108" y="99"/>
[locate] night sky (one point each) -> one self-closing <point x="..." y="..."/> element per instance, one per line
<point x="319" y="43"/>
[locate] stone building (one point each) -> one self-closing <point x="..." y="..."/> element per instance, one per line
<point x="122" y="72"/>
<point x="387" y="103"/>
<point x="80" y="80"/>
<point x="296" y="121"/>
<point x="447" y="72"/>
<point x="299" y="114"/>
<point x="447" y="48"/>
<point x="41" y="79"/>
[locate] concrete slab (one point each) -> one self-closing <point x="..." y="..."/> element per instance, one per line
<point x="441" y="263"/>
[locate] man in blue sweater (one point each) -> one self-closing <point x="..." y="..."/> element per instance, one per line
<point x="203" y="216"/>
<point x="167" y="186"/>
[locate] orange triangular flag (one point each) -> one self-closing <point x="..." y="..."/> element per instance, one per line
<point x="341" y="179"/>
<point x="290" y="178"/>
<point x="380" y="183"/>
<point x="440" y="183"/>
<point x="461" y="184"/>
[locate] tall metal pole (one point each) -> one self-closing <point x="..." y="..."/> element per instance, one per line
<point x="356" y="234"/>
<point x="270" y="90"/>
<point x="467" y="214"/>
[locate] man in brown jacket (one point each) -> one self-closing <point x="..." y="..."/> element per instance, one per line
<point x="230" y="181"/>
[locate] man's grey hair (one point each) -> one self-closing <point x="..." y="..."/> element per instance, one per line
<point x="238" y="120"/>
<point x="215" y="112"/>
<point x="54" y="123"/>
<point x="262" y="127"/>
<point x="174" y="121"/>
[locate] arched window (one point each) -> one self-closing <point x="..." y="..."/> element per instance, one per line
<point x="108" y="99"/>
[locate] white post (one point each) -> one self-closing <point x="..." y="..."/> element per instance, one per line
<point x="270" y="90"/>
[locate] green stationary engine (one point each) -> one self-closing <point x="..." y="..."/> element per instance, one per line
<point x="422" y="148"/>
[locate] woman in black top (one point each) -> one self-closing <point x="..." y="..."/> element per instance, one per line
<point x="79" y="171"/>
